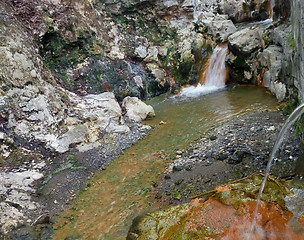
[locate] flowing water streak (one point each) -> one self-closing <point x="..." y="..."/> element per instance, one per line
<point x="271" y="6"/>
<point x="195" y="12"/>
<point x="214" y="75"/>
<point x="287" y="125"/>
<point x="265" y="23"/>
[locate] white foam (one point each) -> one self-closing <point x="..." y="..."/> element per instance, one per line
<point x="199" y="90"/>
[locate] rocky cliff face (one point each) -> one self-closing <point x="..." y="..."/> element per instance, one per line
<point x="67" y="66"/>
<point x="296" y="40"/>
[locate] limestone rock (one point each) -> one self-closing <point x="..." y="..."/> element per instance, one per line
<point x="240" y="11"/>
<point x="116" y="53"/>
<point x="272" y="59"/>
<point x="31" y="102"/>
<point x="152" y="55"/>
<point x="95" y="114"/>
<point x="141" y="52"/>
<point x="220" y="28"/>
<point x="158" y="73"/>
<point x="246" y="41"/>
<point x="16" y="193"/>
<point x="169" y="3"/>
<point x="37" y="109"/>
<point x="137" y="110"/>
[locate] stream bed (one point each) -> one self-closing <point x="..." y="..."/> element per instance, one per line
<point x="125" y="189"/>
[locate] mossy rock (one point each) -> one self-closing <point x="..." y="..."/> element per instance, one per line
<point x="191" y="220"/>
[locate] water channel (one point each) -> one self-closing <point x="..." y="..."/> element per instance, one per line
<point x="105" y="210"/>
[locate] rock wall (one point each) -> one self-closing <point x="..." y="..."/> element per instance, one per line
<point x="273" y="57"/>
<point x="33" y="106"/>
<point x="296" y="40"/>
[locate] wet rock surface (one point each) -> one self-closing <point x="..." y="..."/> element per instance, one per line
<point x="227" y="212"/>
<point x="234" y="150"/>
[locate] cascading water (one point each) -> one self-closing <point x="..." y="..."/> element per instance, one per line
<point x="287" y="125"/>
<point x="264" y="24"/>
<point x="271" y="6"/>
<point x="214" y="75"/>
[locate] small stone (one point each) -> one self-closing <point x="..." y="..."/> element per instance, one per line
<point x="42" y="219"/>
<point x="33" y="74"/>
<point x="222" y="156"/>
<point x="178" y="152"/>
<point x="167" y="177"/>
<point x="2" y="135"/>
<point x="178" y="182"/>
<point x="212" y="138"/>
<point x="178" y="168"/>
<point x="272" y="128"/>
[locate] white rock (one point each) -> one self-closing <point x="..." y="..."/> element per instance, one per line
<point x="219" y="27"/>
<point x="2" y="135"/>
<point x="152" y="54"/>
<point x="33" y="74"/>
<point x="163" y="51"/>
<point x="116" y="53"/>
<point x="138" y="81"/>
<point x="136" y="109"/>
<point x="240" y="44"/>
<point x="271" y="128"/>
<point x="141" y="52"/>
<point x="158" y="73"/>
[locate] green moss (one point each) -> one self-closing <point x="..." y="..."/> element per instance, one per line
<point x="299" y="124"/>
<point x="147" y="26"/>
<point x="291" y="41"/>
<point x="60" y="54"/>
<point x="248" y="189"/>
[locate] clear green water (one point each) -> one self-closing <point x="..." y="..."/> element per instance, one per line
<point x="189" y="118"/>
<point x="122" y="192"/>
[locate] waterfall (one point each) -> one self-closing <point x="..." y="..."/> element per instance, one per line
<point x="214" y="74"/>
<point x="271" y="6"/>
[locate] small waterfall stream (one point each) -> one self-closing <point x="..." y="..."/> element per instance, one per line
<point x="214" y="74"/>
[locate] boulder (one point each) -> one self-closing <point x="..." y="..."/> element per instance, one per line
<point x="272" y="59"/>
<point x="158" y="73"/>
<point x="244" y="46"/>
<point x="219" y="27"/>
<point x="246" y="41"/>
<point x="93" y="115"/>
<point x="241" y="11"/>
<point x="140" y="52"/>
<point x="152" y="55"/>
<point x="136" y="110"/>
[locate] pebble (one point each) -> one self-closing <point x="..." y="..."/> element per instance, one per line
<point x="272" y="128"/>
